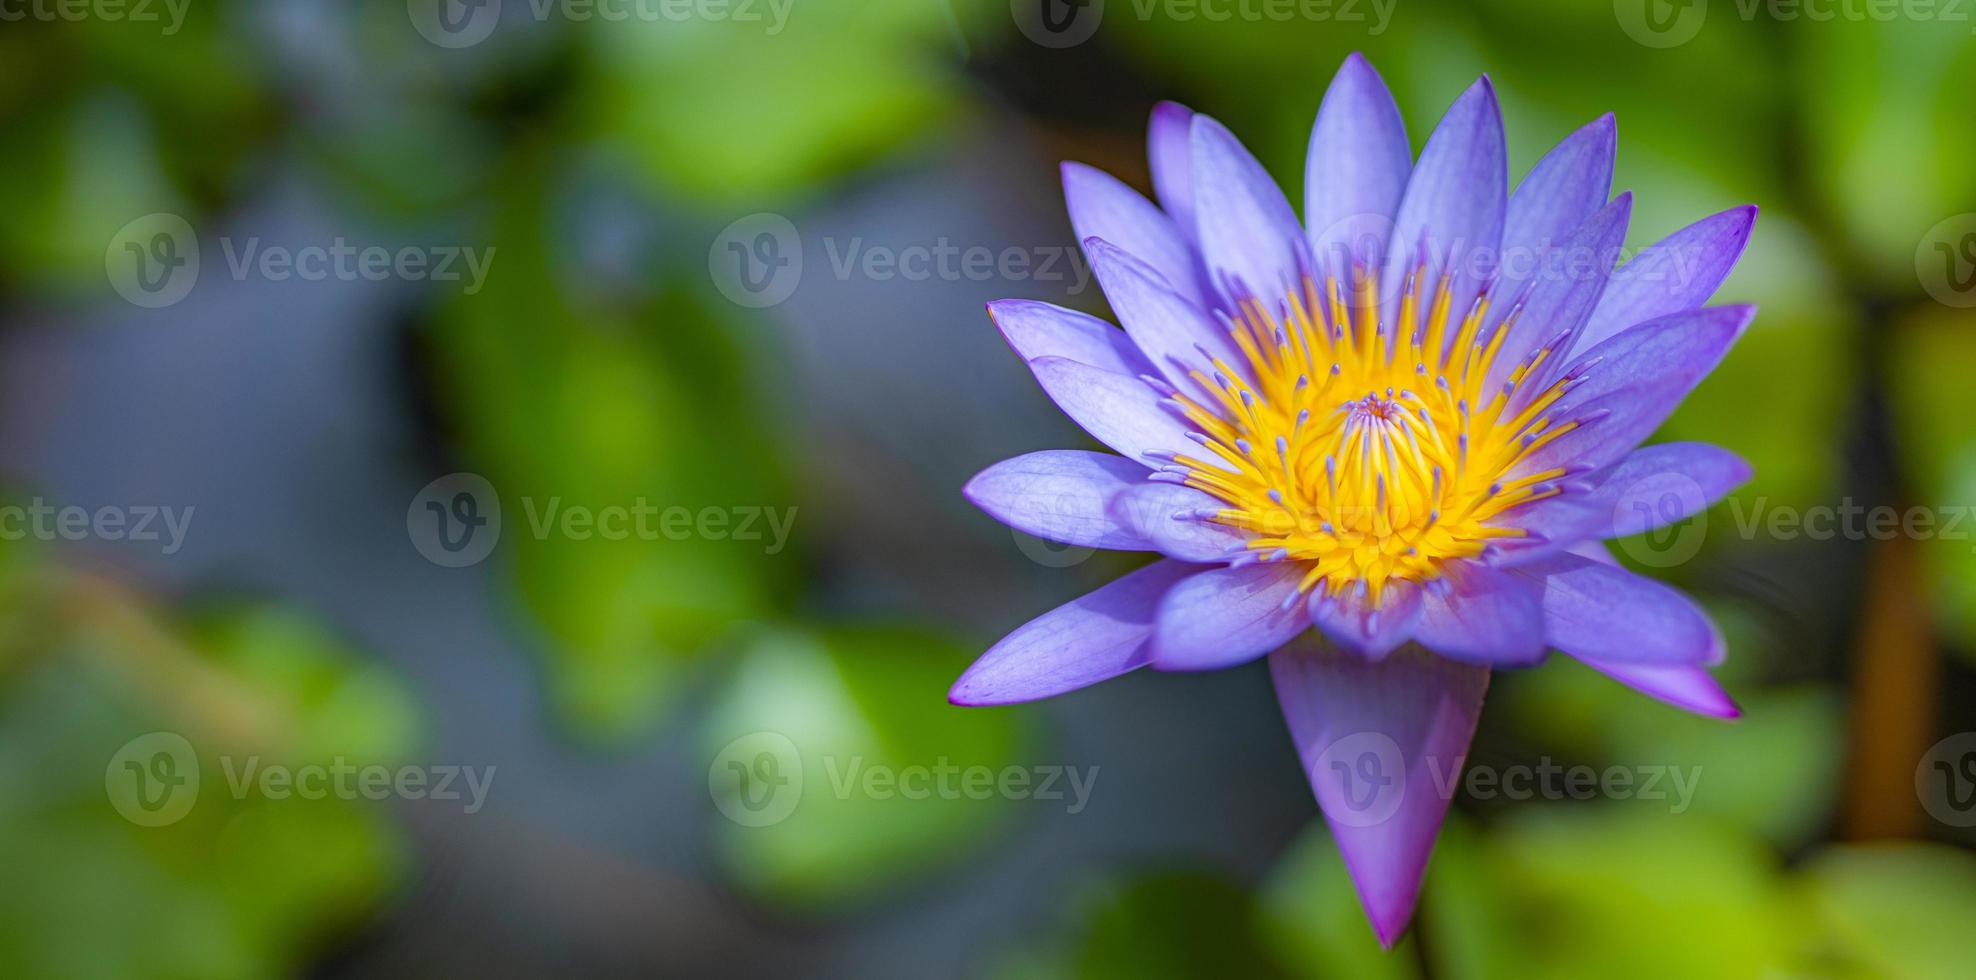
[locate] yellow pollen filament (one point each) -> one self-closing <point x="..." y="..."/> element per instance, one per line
<point x="1369" y="456"/>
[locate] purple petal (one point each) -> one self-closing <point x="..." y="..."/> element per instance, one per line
<point x="1483" y="615"/>
<point x="1036" y="330"/>
<point x="1228" y="616"/>
<point x="1453" y="206"/>
<point x="1174" y="520"/>
<point x="1101" y="206"/>
<point x="1633" y="382"/>
<point x="1169" y="329"/>
<point x="1248" y="234"/>
<point x="1690" y="688"/>
<point x="1170" y="152"/>
<point x="1562" y="191"/>
<point x="1356" y="171"/>
<point x="1652" y="487"/>
<point x="1566" y="286"/>
<point x="1371" y="632"/>
<point x="1093" y="638"/>
<point x="1062" y="495"/>
<point x="1383" y="745"/>
<point x="1121" y="412"/>
<point x="1679" y="273"/>
<point x="1604" y="613"/>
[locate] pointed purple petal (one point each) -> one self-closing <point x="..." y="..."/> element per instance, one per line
<point x="1562" y="191"/>
<point x="1169" y="329"/>
<point x="1356" y="171"/>
<point x="1121" y="412"/>
<point x="1453" y="205"/>
<point x="1679" y="273"/>
<point x="1566" y="286"/>
<point x="1383" y="745"/>
<point x="1101" y="206"/>
<point x="1089" y="639"/>
<point x="1652" y="487"/>
<point x="1062" y="495"/>
<point x="1228" y="616"/>
<point x="1689" y="688"/>
<point x="1170" y="152"/>
<point x="1172" y="519"/>
<point x="1036" y="330"/>
<point x="1248" y="233"/>
<point x="1604" y="613"/>
<point x="1483" y="615"/>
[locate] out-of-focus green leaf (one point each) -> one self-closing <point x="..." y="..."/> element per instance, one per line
<point x="877" y="778"/>
<point x="1894" y="910"/>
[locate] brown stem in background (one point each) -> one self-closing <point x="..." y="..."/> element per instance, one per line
<point x="1893" y="697"/>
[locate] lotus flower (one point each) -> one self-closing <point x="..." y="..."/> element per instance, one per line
<point x="1382" y="447"/>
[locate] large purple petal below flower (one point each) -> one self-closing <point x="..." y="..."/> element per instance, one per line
<point x="1169" y="149"/>
<point x="1355" y="173"/>
<point x="1383" y="745"/>
<point x="1679" y="273"/>
<point x="1062" y="495"/>
<point x="1557" y="300"/>
<point x="1228" y="616"/>
<point x="1369" y="631"/>
<point x="1652" y="487"/>
<point x="1561" y="192"/>
<point x="1101" y="206"/>
<point x="1036" y="330"/>
<point x="1173" y="332"/>
<point x="1604" y="613"/>
<point x="1176" y="520"/>
<point x="1248" y="234"/>
<point x="1090" y="639"/>
<point x="1123" y="413"/>
<point x="1627" y="386"/>
<point x="1453" y="206"/>
<point x="1483" y="615"/>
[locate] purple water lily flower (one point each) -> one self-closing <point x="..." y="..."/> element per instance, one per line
<point x="1381" y="447"/>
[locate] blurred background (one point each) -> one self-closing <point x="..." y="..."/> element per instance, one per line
<point x="339" y="342"/>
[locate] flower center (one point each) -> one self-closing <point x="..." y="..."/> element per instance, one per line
<point x="1368" y="459"/>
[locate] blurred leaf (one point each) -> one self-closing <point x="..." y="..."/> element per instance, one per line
<point x="866" y="712"/>
<point x="1895" y="910"/>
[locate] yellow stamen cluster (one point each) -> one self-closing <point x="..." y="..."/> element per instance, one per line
<point x="1369" y="458"/>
